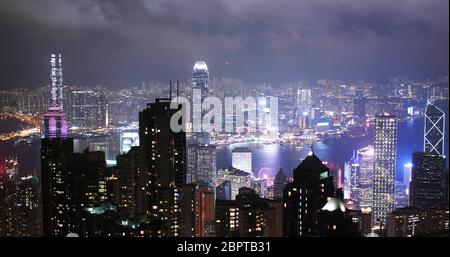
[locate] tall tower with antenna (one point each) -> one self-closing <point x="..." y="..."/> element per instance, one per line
<point x="55" y="124"/>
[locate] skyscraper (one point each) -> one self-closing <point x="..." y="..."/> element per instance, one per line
<point x="411" y="221"/>
<point x="132" y="200"/>
<point x="9" y="222"/>
<point x="200" y="81"/>
<point x="365" y="179"/>
<point x="434" y="130"/>
<point x="352" y="170"/>
<point x="385" y="156"/>
<point x="359" y="106"/>
<point x="201" y="163"/>
<point x="56" y="154"/>
<point x="428" y="187"/>
<point x="163" y="158"/>
<point x="305" y="196"/>
<point x="241" y="158"/>
<point x="55" y="124"/>
<point x="303" y="101"/>
<point x="29" y="206"/>
<point x="280" y="182"/>
<point x="87" y="194"/>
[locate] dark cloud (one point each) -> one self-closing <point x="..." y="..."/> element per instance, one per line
<point x="120" y="43"/>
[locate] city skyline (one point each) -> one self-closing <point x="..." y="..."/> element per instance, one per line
<point x="217" y="119"/>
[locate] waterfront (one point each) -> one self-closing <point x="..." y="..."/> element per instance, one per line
<point x="287" y="157"/>
<point x="271" y="156"/>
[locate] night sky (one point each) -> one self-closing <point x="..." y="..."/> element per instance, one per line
<point x="121" y="43"/>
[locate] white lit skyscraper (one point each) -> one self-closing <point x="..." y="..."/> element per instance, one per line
<point x="385" y="156"/>
<point x="365" y="180"/>
<point x="200" y="81"/>
<point x="242" y="159"/>
<point x="201" y="163"/>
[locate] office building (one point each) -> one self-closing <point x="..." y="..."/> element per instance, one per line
<point x="241" y="158"/>
<point x="305" y="196"/>
<point x="236" y="177"/>
<point x="411" y="222"/>
<point x="385" y="157"/>
<point x="200" y="81"/>
<point x="249" y="216"/>
<point x="401" y="195"/>
<point x="428" y="180"/>
<point x="365" y="179"/>
<point x="163" y="160"/>
<point x="334" y="221"/>
<point x="352" y="170"/>
<point x="201" y="163"/>
<point x="56" y="156"/>
<point x="280" y="182"/>
<point x="434" y="135"/>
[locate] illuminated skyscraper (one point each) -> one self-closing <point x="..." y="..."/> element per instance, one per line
<point x="201" y="163"/>
<point x="385" y="156"/>
<point x="56" y="154"/>
<point x="200" y="81"/>
<point x="55" y="124"/>
<point x="163" y="158"/>
<point x="434" y="130"/>
<point x="428" y="187"/>
<point x="365" y="180"/>
<point x="305" y="196"/>
<point x="241" y="158"/>
<point x="352" y="170"/>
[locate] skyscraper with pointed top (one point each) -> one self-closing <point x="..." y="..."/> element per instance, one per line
<point x="200" y="81"/>
<point x="55" y="124"/>
<point x="434" y="130"/>
<point x="56" y="154"/>
<point x="305" y="196"/>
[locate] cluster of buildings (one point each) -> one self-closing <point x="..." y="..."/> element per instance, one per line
<point x="156" y="190"/>
<point x="166" y="183"/>
<point x="20" y="202"/>
<point x="408" y="207"/>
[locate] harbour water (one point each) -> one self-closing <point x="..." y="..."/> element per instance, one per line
<point x="269" y="156"/>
